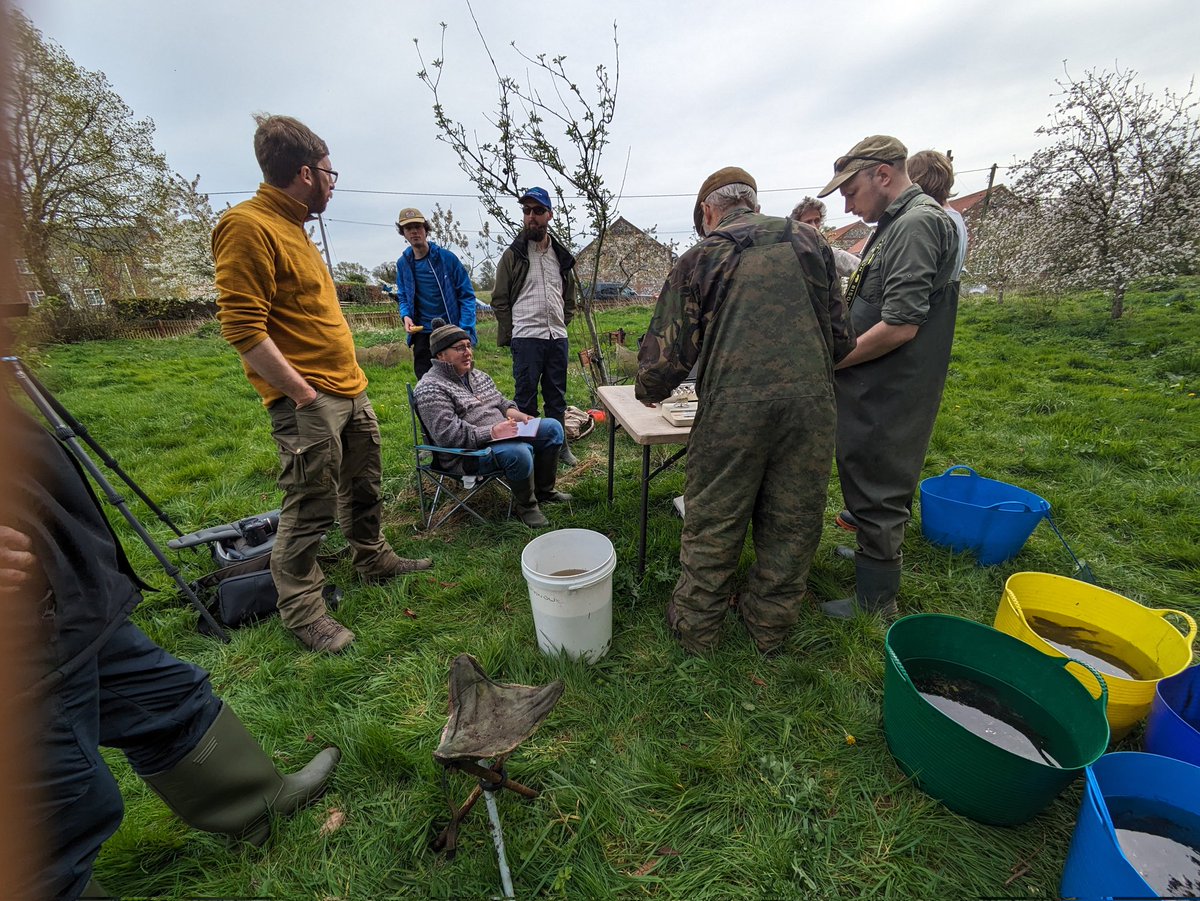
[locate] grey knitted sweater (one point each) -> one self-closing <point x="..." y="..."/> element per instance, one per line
<point x="459" y="414"/>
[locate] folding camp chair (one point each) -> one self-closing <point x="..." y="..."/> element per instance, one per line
<point x="488" y="721"/>
<point x="447" y="474"/>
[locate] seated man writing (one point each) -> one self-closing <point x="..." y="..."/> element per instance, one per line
<point x="461" y="407"/>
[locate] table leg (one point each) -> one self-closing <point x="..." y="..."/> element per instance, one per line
<point x="612" y="444"/>
<point x="645" y="509"/>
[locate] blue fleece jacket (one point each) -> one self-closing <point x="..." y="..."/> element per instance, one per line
<point x="456" y="303"/>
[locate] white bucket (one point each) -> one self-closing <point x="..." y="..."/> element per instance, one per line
<point x="569" y="573"/>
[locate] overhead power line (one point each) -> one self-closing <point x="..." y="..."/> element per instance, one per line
<point x="569" y="196"/>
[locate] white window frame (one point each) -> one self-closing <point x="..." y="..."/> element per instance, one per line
<point x="23" y="267"/>
<point x="35" y="297"/>
<point x="81" y="265"/>
<point x="93" y="297"/>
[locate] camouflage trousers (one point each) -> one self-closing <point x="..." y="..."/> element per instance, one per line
<point x="763" y="463"/>
<point x="329" y="468"/>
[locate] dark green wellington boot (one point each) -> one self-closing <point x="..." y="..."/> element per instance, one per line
<point x="228" y="784"/>
<point x="875" y="588"/>
<point x="527" y="505"/>
<point x="545" y="473"/>
<point x="95" y="890"/>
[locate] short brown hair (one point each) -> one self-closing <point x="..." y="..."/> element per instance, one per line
<point x="282" y="145"/>
<point x="808" y="203"/>
<point x="933" y="173"/>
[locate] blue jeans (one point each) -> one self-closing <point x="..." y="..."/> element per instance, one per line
<point x="513" y="457"/>
<point x="541" y="360"/>
<point x="132" y="695"/>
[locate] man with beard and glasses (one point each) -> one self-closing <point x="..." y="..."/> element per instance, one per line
<point x="903" y="301"/>
<point x="534" y="300"/>
<point x="279" y="309"/>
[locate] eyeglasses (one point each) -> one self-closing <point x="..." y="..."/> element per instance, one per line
<point x="534" y="210"/>
<point x="461" y="347"/>
<point x="332" y="173"/>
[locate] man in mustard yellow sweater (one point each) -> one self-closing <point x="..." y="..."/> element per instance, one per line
<point x="278" y="307"/>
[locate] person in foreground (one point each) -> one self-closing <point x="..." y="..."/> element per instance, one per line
<point x="757" y="307"/>
<point x="534" y="300"/>
<point x="903" y="301"/>
<point x="461" y="407"/>
<point x="431" y="283"/>
<point x="278" y="307"/>
<point x="97" y="680"/>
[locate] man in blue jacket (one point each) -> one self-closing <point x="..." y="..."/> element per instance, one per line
<point x="431" y="284"/>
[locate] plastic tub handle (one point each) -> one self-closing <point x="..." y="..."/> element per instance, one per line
<point x="1190" y="632"/>
<point x="1011" y="507"/>
<point x="953" y="469"/>
<point x="1011" y="597"/>
<point x="594" y="578"/>
<point x="1103" y="698"/>
<point x="899" y="666"/>
<point x="1096" y="797"/>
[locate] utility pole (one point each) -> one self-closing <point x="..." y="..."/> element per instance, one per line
<point x="987" y="195"/>
<point x="325" y="242"/>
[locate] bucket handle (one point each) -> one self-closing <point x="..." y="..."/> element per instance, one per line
<point x="1011" y="507"/>
<point x="1010" y="598"/>
<point x="896" y="663"/>
<point x="1103" y="697"/>
<point x="594" y="578"/>
<point x="1190" y="632"/>
<point x="952" y="469"/>
<point x="1096" y="798"/>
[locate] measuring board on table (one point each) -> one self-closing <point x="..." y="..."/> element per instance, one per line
<point x="680" y="408"/>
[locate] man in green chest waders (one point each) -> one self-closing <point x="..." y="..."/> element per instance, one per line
<point x="757" y="308"/>
<point x="903" y="300"/>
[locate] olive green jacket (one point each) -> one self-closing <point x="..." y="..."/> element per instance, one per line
<point x="796" y="294"/>
<point x="510" y="278"/>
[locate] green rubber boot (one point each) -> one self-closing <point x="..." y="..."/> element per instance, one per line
<point x="527" y="505"/>
<point x="228" y="784"/>
<point x="875" y="589"/>
<point x="95" y="890"/>
<point x="545" y="474"/>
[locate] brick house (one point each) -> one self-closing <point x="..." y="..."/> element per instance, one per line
<point x="629" y="257"/>
<point x="850" y="237"/>
<point x="90" y="275"/>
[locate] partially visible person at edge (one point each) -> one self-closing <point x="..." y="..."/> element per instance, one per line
<point x="933" y="173"/>
<point x="461" y="407"/>
<point x="431" y="283"/>
<point x="811" y="211"/>
<point x="92" y="678"/>
<point x="534" y="300"/>
<point x="903" y="302"/>
<point x="278" y="307"/>
<point x="757" y="308"/>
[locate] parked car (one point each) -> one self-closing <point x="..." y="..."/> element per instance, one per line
<point x="613" y="290"/>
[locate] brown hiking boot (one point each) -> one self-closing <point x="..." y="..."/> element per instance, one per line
<point x="324" y="634"/>
<point x="394" y="567"/>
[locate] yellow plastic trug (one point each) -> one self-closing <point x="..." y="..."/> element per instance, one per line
<point x="1146" y="643"/>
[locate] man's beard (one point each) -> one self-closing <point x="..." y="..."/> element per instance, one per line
<point x="317" y="201"/>
<point x="535" y="233"/>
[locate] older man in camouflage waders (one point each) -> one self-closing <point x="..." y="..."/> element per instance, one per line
<point x="757" y="307"/>
<point x="903" y="301"/>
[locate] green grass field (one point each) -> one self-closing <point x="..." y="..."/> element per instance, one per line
<point x="663" y="775"/>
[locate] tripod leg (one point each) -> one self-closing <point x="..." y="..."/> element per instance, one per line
<point x="63" y="433"/>
<point x="74" y="427"/>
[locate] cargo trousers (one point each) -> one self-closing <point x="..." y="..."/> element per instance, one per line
<point x="330" y="469"/>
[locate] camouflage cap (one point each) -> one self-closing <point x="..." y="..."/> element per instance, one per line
<point x="868" y="152"/>
<point x="409" y="215"/>
<point x="730" y="175"/>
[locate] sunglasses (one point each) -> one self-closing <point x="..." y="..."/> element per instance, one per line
<point x="534" y="210"/>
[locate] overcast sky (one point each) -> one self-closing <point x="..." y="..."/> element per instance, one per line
<point x="779" y="87"/>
